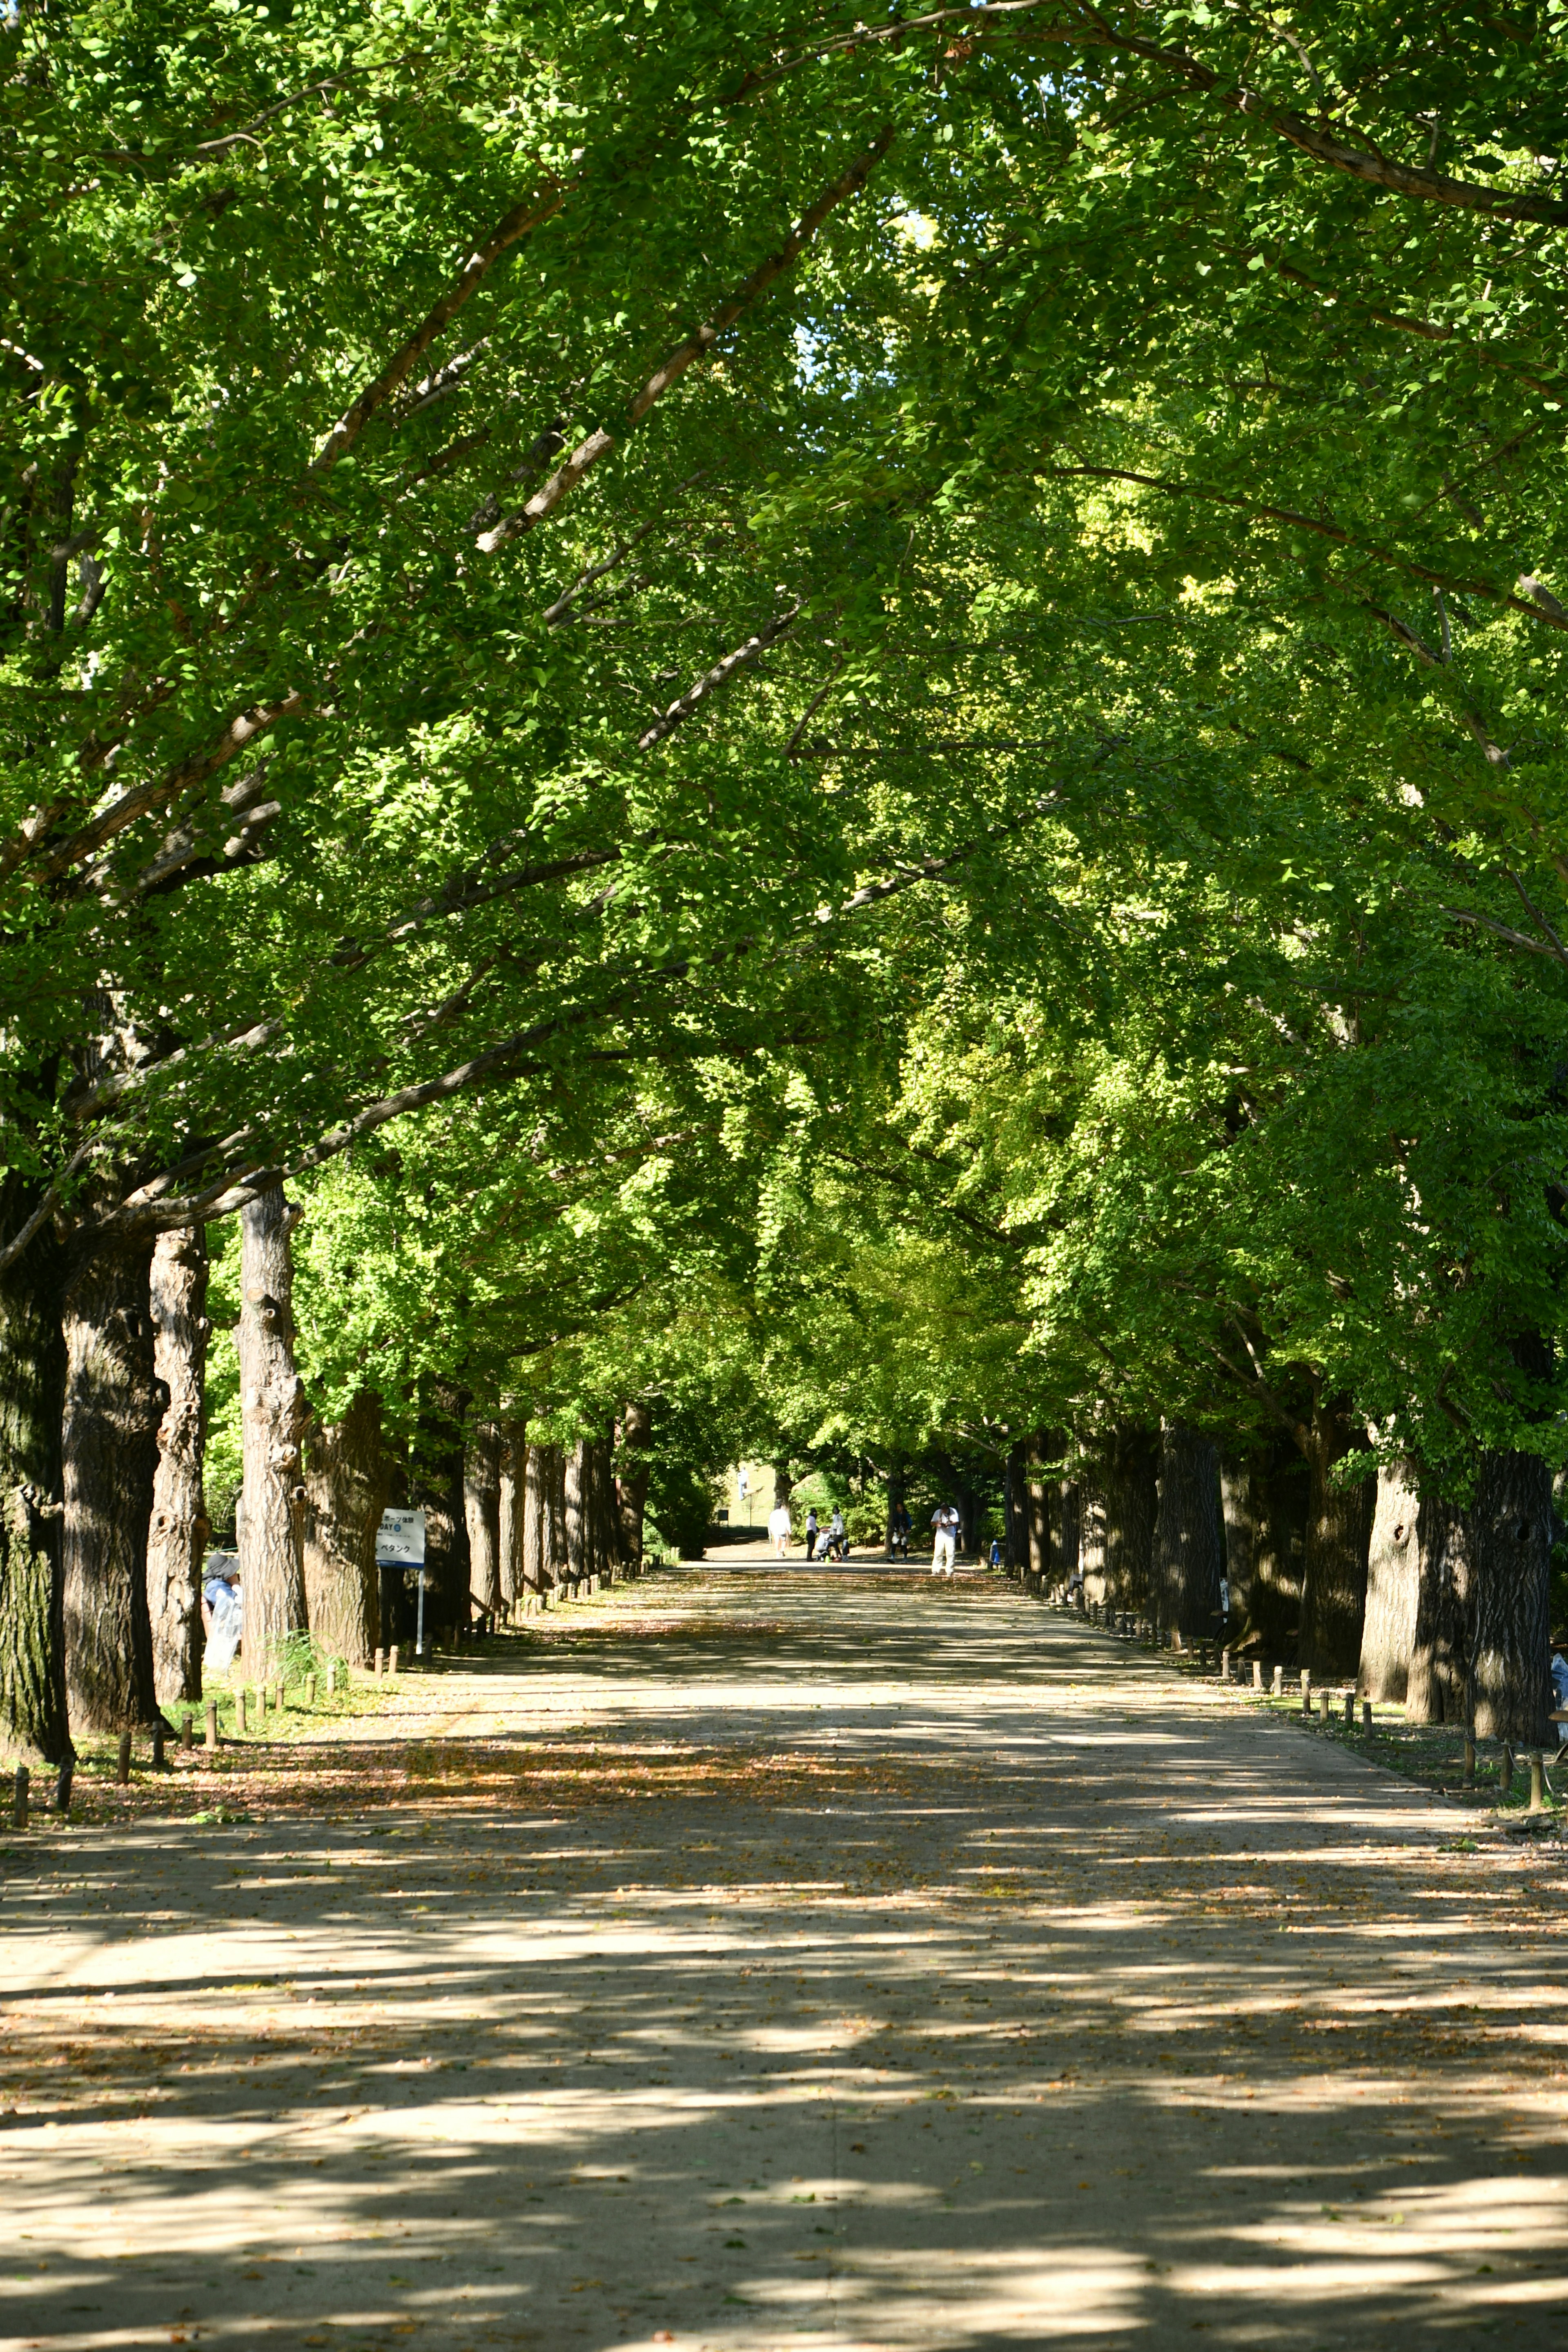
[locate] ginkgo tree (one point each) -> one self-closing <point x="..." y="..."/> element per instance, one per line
<point x="513" y="520"/>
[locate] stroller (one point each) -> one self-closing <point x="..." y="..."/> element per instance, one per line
<point x="835" y="1544"/>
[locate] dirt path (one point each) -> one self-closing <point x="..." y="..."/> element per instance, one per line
<point x="827" y="1961"/>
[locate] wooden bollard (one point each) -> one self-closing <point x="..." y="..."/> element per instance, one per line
<point x="19" y="1799"/>
<point x="63" y="1787"/>
<point x="310" y="1690"/>
<point x="278" y="1697"/>
<point x="331" y="1677"/>
<point x="1306" y="1694"/>
<point x="1257" y="1674"/>
<point x="240" y="1724"/>
<point x="392" y="1660"/>
<point x="1537" y="1762"/>
<point x="1324" y="1703"/>
<point x="1225" y="1665"/>
<point x="377" y="1663"/>
<point x="1505" y="1774"/>
<point x="158" y="1765"/>
<point x="1278" y="1682"/>
<point x="122" y="1765"/>
<point x="260" y="1702"/>
<point x="186" y="1733"/>
<point x="1350" y="1710"/>
<point x="1366" y="1717"/>
<point x="212" y="1725"/>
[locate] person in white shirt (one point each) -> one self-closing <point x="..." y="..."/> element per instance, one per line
<point x="944" y="1521"/>
<point x="779" y="1529"/>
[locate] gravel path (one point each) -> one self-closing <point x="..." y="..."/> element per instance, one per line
<point x="757" y="1960"/>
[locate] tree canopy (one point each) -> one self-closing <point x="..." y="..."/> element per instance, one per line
<point x="854" y="721"/>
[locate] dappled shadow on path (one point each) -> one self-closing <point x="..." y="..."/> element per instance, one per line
<point x="845" y="1967"/>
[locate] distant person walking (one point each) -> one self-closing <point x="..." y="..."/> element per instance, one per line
<point x="779" y="1529"/>
<point x="946" y="1523"/>
<point x="812" y="1523"/>
<point x="898" y="1533"/>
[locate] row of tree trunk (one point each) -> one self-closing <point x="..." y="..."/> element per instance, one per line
<point x="538" y="1516"/>
<point x="103" y="1527"/>
<point x="1445" y="1609"/>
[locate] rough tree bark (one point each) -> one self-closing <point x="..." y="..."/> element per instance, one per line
<point x="1131" y="1471"/>
<point x="481" y="1504"/>
<point x="1189" y="1535"/>
<point x="1063" y="1527"/>
<point x="1278" y="1501"/>
<point x="1438" y="1688"/>
<point x="274" y="1412"/>
<point x="1043" y="1448"/>
<point x="513" y="1477"/>
<point x="177" y="1537"/>
<point x="1339" y="1531"/>
<point x="1236" y="1480"/>
<point x="634" y="1437"/>
<point x="436" y="1488"/>
<point x="559" y="1558"/>
<point x="1511" y="1549"/>
<point x="606" y="1514"/>
<point x="348" y="1480"/>
<point x="1091" y="1525"/>
<point x="536" y="1562"/>
<point x="1393" y="1587"/>
<point x="109" y="1439"/>
<point x="576" y="1497"/>
<point x="1016" y="1547"/>
<point x="34" y="1725"/>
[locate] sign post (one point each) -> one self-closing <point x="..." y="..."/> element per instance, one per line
<point x="400" y="1543"/>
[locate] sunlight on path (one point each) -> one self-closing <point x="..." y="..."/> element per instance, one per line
<point x="752" y="1961"/>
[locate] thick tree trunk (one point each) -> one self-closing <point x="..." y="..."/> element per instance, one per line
<point x="1189" y="1535"/>
<point x="1511" y="1549"/>
<point x="33" y="1727"/>
<point x="1438" y="1688"/>
<point x="347" y="1481"/>
<point x="1393" y="1587"/>
<point x="1065" y="1526"/>
<point x="274" y="1412"/>
<point x="1015" y="1551"/>
<point x="114" y="1403"/>
<point x="436" y="1488"/>
<point x="1278" y="1510"/>
<point x="1132" y="1501"/>
<point x="1237" y="1508"/>
<point x="577" y="1503"/>
<point x="177" y="1537"/>
<point x="1339" y="1531"/>
<point x="559" y="1558"/>
<point x="1091" y="1525"/>
<point x="632" y="1475"/>
<point x="607" y="1518"/>
<point x="513" y="1478"/>
<point x="536" y="1567"/>
<point x="482" y="1502"/>
<point x="1043" y="1447"/>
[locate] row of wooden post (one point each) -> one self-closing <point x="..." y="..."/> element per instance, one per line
<point x="385" y="1663"/>
<point x="1128" y="1627"/>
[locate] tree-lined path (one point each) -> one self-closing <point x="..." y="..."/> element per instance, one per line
<point x="790" y="1960"/>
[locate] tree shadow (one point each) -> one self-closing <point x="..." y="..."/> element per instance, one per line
<point x="1035" y="1999"/>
